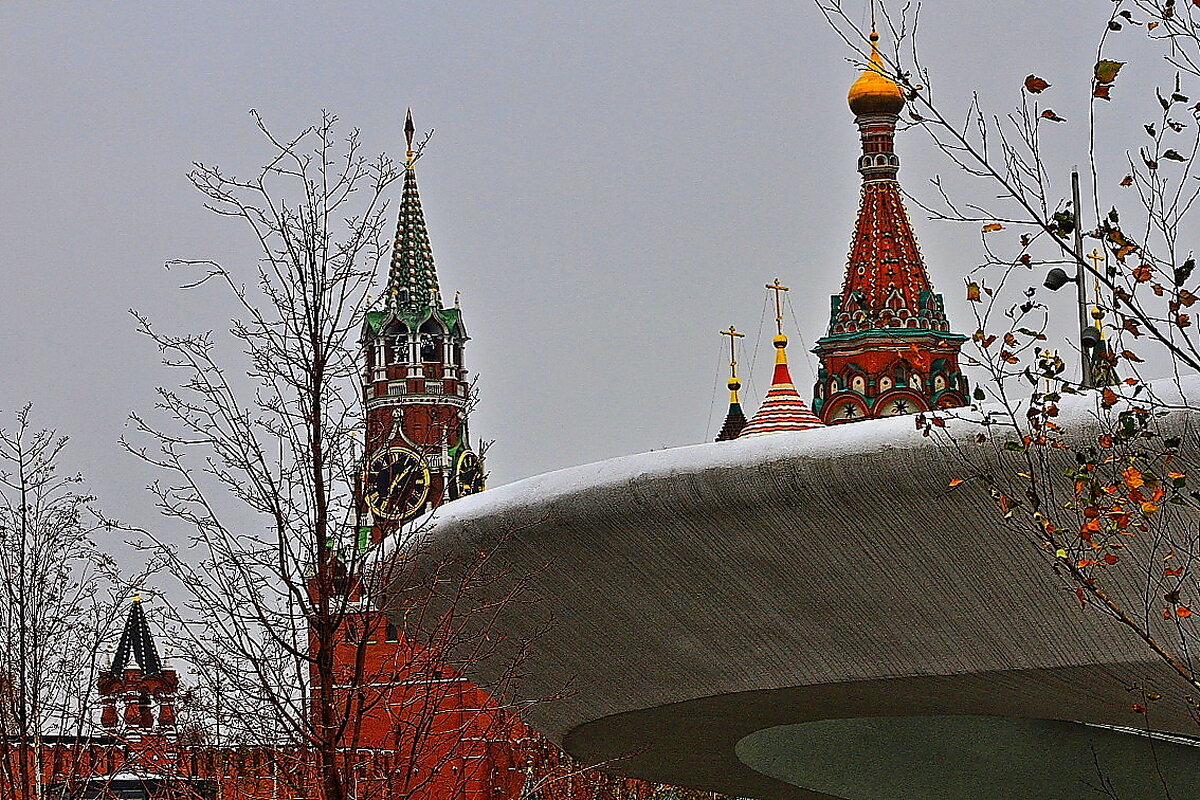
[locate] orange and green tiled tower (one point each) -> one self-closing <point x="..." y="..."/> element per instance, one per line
<point x="889" y="349"/>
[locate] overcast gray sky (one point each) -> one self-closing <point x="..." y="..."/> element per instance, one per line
<point x="609" y="184"/>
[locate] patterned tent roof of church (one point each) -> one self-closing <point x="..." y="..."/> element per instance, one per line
<point x="885" y="270"/>
<point x="412" y="280"/>
<point x="735" y="423"/>
<point x="782" y="409"/>
<point x="137" y="643"/>
<point x="886" y="284"/>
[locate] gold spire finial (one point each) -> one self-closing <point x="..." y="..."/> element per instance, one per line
<point x="409" y="130"/>
<point x="734" y="382"/>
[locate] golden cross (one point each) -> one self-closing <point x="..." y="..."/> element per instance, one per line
<point x="733" y="335"/>
<point x="778" y="287"/>
<point x="1097" y="258"/>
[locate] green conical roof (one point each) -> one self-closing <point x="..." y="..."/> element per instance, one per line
<point x="412" y="279"/>
<point x="412" y="290"/>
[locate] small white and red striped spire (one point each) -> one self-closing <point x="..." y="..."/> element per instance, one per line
<point x="783" y="409"/>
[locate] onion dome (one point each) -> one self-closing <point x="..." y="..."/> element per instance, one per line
<point x="874" y="92"/>
<point x="783" y="409"/>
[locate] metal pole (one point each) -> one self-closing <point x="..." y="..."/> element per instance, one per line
<point x="1080" y="290"/>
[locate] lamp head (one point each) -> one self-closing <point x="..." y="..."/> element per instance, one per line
<point x="1056" y="279"/>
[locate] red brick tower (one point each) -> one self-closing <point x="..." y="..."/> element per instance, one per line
<point x="415" y="385"/>
<point x="146" y="692"/>
<point x="889" y="349"/>
<point x="417" y="456"/>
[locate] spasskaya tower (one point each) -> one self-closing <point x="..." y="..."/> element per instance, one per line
<point x="415" y="385"/>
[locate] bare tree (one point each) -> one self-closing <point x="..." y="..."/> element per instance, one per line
<point x="61" y="597"/>
<point x="260" y="453"/>
<point x="1109" y="500"/>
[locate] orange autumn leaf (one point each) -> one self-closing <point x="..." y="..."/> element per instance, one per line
<point x="1183" y="611"/>
<point x="1109" y="398"/>
<point x="955" y="482"/>
<point x="1036" y="85"/>
<point x="992" y="227"/>
<point x="1106" y="70"/>
<point x="1133" y="478"/>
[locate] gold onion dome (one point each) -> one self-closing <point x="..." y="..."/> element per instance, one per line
<point x="874" y="92"/>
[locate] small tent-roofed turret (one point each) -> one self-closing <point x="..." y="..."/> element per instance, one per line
<point x="137" y="643"/>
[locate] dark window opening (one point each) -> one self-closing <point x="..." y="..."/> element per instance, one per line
<point x="431" y="348"/>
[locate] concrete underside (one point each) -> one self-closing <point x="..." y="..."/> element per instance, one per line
<point x="813" y="615"/>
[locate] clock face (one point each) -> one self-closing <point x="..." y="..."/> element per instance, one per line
<point x="845" y="411"/>
<point x="396" y="484"/>
<point x="469" y="476"/>
<point x="900" y="405"/>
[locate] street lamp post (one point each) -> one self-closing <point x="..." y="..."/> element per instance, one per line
<point x="1057" y="278"/>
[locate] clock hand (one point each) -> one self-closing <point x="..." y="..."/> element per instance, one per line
<point x="396" y="481"/>
<point x="390" y="495"/>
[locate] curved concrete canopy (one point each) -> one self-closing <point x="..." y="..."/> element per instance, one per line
<point x="814" y="615"/>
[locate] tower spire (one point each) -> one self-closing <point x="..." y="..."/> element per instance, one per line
<point x="409" y="130"/>
<point x="412" y="280"/>
<point x="782" y="409"/>
<point x="147" y="692"/>
<point x="137" y="643"/>
<point x="735" y="420"/>
<point x="888" y="349"/>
